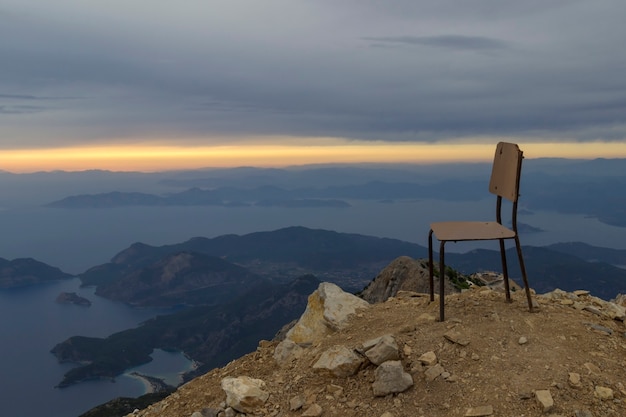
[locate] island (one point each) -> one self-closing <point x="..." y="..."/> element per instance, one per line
<point x="73" y="298"/>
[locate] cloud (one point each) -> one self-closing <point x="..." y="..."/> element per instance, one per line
<point x="458" y="42"/>
<point x="217" y="70"/>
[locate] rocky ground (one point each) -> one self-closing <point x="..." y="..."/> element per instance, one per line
<point x="568" y="358"/>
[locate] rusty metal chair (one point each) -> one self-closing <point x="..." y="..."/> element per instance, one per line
<point x="504" y="183"/>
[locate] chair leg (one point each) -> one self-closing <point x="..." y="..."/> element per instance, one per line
<point x="505" y="271"/>
<point x="442" y="278"/>
<point x="523" y="268"/>
<point x="430" y="265"/>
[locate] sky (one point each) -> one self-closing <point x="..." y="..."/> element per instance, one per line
<point x="149" y="85"/>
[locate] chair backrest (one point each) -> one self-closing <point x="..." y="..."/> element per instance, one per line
<point x="506" y="171"/>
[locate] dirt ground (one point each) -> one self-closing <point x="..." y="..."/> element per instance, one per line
<point x="503" y="355"/>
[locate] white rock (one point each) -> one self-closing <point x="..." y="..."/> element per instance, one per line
<point x="244" y="394"/>
<point x="328" y="309"/>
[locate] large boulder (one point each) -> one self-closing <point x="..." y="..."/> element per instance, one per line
<point x="244" y="394"/>
<point x="402" y="274"/>
<point x="327" y="311"/>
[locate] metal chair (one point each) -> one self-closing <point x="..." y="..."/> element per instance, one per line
<point x="504" y="183"/>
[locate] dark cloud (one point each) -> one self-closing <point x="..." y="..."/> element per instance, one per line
<point x="21" y="109"/>
<point x="458" y="42"/>
<point x="435" y="70"/>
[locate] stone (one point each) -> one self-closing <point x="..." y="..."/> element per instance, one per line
<point x="428" y="358"/>
<point x="315" y="410"/>
<point x="456" y="337"/>
<point x="339" y="361"/>
<point x="522" y="340"/>
<point x="296" y="403"/>
<point x="593" y="310"/>
<point x="544" y="398"/>
<point x="603" y="393"/>
<point x="574" y="380"/>
<point x="335" y="390"/>
<point x="328" y="309"/>
<point x="391" y="378"/>
<point x="593" y="369"/>
<point x="600" y="329"/>
<point x="287" y="350"/>
<point x="433" y="372"/>
<point x="385" y="349"/>
<point x="582" y="413"/>
<point x="244" y="394"/>
<point x="484" y="410"/>
<point x="207" y="412"/>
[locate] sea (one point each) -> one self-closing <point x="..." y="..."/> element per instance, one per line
<point x="32" y="322"/>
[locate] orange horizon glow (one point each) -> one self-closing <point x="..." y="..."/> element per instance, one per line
<point x="151" y="158"/>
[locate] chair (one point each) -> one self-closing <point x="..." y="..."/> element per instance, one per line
<point x="504" y="183"/>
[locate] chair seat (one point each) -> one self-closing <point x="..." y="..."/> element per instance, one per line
<point x="463" y="231"/>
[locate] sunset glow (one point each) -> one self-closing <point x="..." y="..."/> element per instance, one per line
<point x="150" y="158"/>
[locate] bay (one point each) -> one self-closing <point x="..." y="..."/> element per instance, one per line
<point x="33" y="323"/>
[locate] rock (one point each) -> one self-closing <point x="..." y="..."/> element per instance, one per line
<point x="484" y="410"/>
<point x="603" y="393"/>
<point x="384" y="349"/>
<point x="327" y="311"/>
<point x="433" y="372"/>
<point x="522" y="340"/>
<point x="390" y="378"/>
<point x="315" y="410"/>
<point x="574" y="380"/>
<point x="287" y="350"/>
<point x="339" y="361"/>
<point x="244" y="394"/>
<point x="455" y="337"/>
<point x="335" y="390"/>
<point x="296" y="403"/>
<point x="592" y="368"/>
<point x="73" y="298"/>
<point x="428" y="358"/>
<point x="600" y="329"/>
<point x="402" y="274"/>
<point x="544" y="398"/>
<point x="206" y="412"/>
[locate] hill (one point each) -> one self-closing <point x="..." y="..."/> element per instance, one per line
<point x="488" y="358"/>
<point x="27" y="271"/>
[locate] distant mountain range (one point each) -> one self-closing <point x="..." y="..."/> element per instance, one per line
<point x="561" y="188"/>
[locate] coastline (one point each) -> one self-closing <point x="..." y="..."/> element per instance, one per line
<point x="151" y="384"/>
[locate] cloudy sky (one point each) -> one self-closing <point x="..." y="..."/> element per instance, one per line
<point x="333" y="75"/>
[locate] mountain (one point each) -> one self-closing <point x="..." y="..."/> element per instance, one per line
<point x="281" y="255"/>
<point x="349" y="260"/>
<point x="27" y="271"/>
<point x="595" y="188"/>
<point x="180" y="278"/>
<point x="591" y="253"/>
